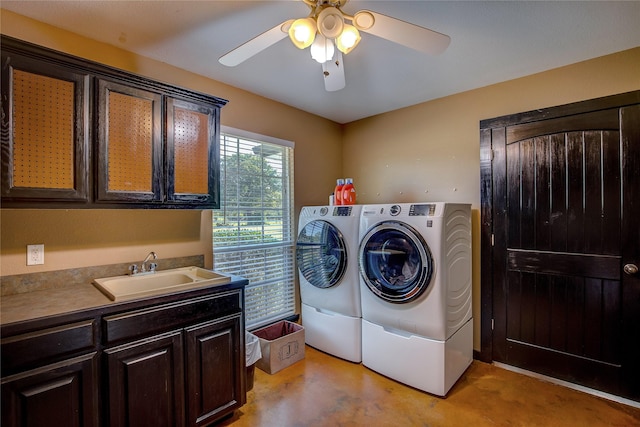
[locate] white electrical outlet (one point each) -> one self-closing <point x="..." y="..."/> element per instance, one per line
<point x="35" y="254"/>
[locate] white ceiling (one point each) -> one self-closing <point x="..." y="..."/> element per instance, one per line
<point x="490" y="42"/>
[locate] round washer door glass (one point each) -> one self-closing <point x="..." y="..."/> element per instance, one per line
<point x="395" y="262"/>
<point x="321" y="254"/>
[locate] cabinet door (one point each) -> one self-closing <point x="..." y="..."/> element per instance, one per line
<point x="193" y="153"/>
<point x="130" y="165"/>
<point x="45" y="128"/>
<point x="214" y="370"/>
<point x="145" y="383"/>
<point x="64" y="394"/>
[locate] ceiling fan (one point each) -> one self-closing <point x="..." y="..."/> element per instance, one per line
<point x="327" y="27"/>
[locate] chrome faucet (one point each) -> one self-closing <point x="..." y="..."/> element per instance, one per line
<point x="143" y="267"/>
<point x="152" y="266"/>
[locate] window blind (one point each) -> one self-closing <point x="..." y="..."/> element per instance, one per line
<point x="253" y="232"/>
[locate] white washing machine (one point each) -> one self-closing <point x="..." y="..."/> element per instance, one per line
<point x="327" y="259"/>
<point x="415" y="280"/>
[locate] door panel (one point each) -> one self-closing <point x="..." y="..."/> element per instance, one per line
<point x="213" y="384"/>
<point x="630" y="141"/>
<point x="563" y="190"/>
<point x="145" y="382"/>
<point x="578" y="252"/>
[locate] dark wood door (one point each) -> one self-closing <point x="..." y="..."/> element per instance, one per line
<point x="565" y="209"/>
<point x="214" y="364"/>
<point x="64" y="394"/>
<point x="146" y="383"/>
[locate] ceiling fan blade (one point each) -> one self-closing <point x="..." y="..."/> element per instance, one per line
<point x="255" y="45"/>
<point x="333" y="72"/>
<point x="407" y="34"/>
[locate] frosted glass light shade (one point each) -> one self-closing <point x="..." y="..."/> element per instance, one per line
<point x="322" y="49"/>
<point x="349" y="39"/>
<point x="302" y="32"/>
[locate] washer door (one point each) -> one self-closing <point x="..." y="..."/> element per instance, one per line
<point x="321" y="254"/>
<point x="395" y="262"/>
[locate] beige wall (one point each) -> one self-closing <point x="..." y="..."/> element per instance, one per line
<point x="80" y="238"/>
<point x="428" y="152"/>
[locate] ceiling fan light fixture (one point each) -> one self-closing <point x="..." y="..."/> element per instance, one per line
<point x="330" y="22"/>
<point x="327" y="27"/>
<point x="302" y="32"/>
<point x="349" y="39"/>
<point x="322" y="49"/>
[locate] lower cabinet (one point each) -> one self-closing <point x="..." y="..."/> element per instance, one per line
<point x="175" y="362"/>
<point x="162" y="382"/>
<point x="213" y="383"/>
<point x="145" y="383"/>
<point x="63" y="394"/>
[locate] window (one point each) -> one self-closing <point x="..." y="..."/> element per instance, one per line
<point x="253" y="234"/>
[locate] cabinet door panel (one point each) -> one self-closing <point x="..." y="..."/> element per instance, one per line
<point x="146" y="383"/>
<point x="64" y="394"/>
<point x="192" y="153"/>
<point x="129" y="143"/>
<point x="214" y="366"/>
<point x="44" y="131"/>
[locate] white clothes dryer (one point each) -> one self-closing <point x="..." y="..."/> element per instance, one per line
<point x="326" y="255"/>
<point x="415" y="279"/>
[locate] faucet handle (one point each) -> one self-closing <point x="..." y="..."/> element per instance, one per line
<point x="133" y="269"/>
<point x="152" y="267"/>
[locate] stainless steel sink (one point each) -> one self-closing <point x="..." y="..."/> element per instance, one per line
<point x="158" y="283"/>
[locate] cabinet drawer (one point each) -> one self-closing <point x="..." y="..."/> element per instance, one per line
<point x="154" y="320"/>
<point x="47" y="345"/>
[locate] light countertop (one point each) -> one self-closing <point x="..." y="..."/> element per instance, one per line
<point x="49" y="293"/>
<point x="48" y="302"/>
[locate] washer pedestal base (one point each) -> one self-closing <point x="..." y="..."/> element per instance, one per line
<point x="428" y="365"/>
<point x="333" y="333"/>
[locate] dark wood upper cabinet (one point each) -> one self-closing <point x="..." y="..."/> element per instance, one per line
<point x="45" y="131"/>
<point x="192" y="152"/>
<point x="77" y="134"/>
<point x="130" y="160"/>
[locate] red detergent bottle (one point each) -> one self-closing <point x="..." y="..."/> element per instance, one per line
<point x="337" y="194"/>
<point x="348" y="193"/>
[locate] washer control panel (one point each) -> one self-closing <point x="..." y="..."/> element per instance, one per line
<point x="342" y="211"/>
<point x="422" y="210"/>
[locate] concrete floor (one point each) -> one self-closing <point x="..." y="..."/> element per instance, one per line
<point x="322" y="390"/>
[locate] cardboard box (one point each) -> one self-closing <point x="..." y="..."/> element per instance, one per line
<point x="281" y="344"/>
